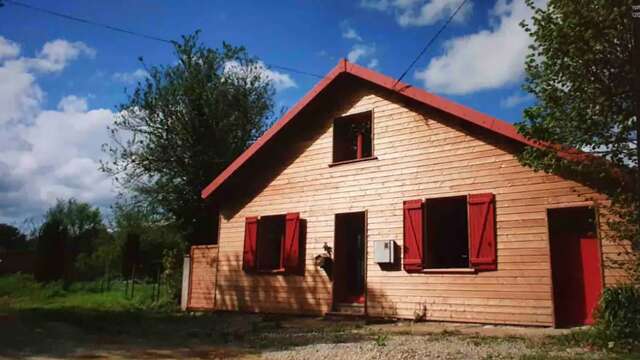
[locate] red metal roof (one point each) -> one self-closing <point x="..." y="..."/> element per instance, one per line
<point x="475" y="117"/>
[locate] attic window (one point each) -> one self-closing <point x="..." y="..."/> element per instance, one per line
<point x="352" y="137"/>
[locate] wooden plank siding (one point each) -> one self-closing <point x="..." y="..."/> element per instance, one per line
<point x="420" y="154"/>
<point x="202" y="282"/>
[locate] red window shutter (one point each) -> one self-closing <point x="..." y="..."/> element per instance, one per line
<point x="413" y="236"/>
<point x="291" y="246"/>
<point x="482" y="231"/>
<point x="250" y="240"/>
<point x="359" y="144"/>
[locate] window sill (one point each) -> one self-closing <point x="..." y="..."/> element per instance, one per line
<point x="449" y="271"/>
<point x="352" y="161"/>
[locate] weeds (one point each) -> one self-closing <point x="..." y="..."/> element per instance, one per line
<point x="381" y="339"/>
<point x="617" y="326"/>
<point x="618" y="313"/>
<point x="596" y="338"/>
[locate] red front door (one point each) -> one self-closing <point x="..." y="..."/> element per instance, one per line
<point x="575" y="257"/>
<point x="590" y="255"/>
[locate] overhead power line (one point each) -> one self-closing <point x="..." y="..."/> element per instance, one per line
<point x="85" y="21"/>
<point x="301" y="72"/>
<point x="431" y="41"/>
<point x="131" y="32"/>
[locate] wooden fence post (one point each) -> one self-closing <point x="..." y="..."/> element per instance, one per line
<point x="184" y="297"/>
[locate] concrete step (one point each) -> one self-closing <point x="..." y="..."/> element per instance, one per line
<point x="348" y="309"/>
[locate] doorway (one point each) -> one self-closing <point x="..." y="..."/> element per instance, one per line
<point x="575" y="265"/>
<point x="349" y="243"/>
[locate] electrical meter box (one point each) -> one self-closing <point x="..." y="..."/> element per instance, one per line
<point x="383" y="251"/>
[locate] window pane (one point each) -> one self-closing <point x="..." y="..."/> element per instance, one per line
<point x="352" y="137"/>
<point x="270" y="237"/>
<point x="446" y="241"/>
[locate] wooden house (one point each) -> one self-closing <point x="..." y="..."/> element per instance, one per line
<point x="373" y="197"/>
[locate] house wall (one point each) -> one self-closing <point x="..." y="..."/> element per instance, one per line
<point x="420" y="154"/>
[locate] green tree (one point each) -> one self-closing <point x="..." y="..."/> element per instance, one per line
<point x="11" y="238"/>
<point x="81" y="221"/>
<point x="131" y="220"/>
<point x="71" y="229"/>
<point x="581" y="71"/>
<point x="183" y="125"/>
<point x="51" y="255"/>
<point x="103" y="261"/>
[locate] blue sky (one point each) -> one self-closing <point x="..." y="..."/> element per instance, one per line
<point x="62" y="80"/>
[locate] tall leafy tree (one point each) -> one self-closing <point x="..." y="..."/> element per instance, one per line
<point x="70" y="229"/>
<point x="81" y="221"/>
<point x="581" y="69"/>
<point x="183" y="125"/>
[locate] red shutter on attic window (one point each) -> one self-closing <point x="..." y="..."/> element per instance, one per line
<point x="413" y="237"/>
<point x="250" y="239"/>
<point x="291" y="246"/>
<point x="482" y="232"/>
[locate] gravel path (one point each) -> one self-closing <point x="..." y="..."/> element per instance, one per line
<point x="405" y="347"/>
<point x="251" y="337"/>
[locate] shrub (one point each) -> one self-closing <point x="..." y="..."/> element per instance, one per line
<point x="17" y="285"/>
<point x="618" y="313"/>
<point x="172" y="272"/>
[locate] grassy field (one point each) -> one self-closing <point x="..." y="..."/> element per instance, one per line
<point x="22" y="293"/>
<point x="50" y="322"/>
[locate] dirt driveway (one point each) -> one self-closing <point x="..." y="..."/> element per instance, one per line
<point x="44" y="335"/>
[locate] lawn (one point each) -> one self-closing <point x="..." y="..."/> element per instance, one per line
<point x="48" y="321"/>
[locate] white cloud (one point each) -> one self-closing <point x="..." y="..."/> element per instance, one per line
<point x="55" y="55"/>
<point x="48" y="154"/>
<point x="489" y="59"/>
<point x="360" y="51"/>
<point x="379" y="5"/>
<point x="20" y="95"/>
<point x="351" y="34"/>
<point x="8" y="49"/>
<point x="515" y="99"/>
<point x="431" y="12"/>
<point x="73" y="104"/>
<point x="130" y="77"/>
<point x="280" y="81"/>
<point x="57" y="157"/>
<point x="417" y="12"/>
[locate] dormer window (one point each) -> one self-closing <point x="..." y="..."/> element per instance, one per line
<point x="352" y="137"/>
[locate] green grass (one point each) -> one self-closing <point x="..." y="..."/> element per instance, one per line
<point x="21" y="292"/>
<point x="598" y="339"/>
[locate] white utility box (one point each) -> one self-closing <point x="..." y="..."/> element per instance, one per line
<point x="383" y="251"/>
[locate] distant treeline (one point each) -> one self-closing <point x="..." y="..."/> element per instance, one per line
<point x="73" y="243"/>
